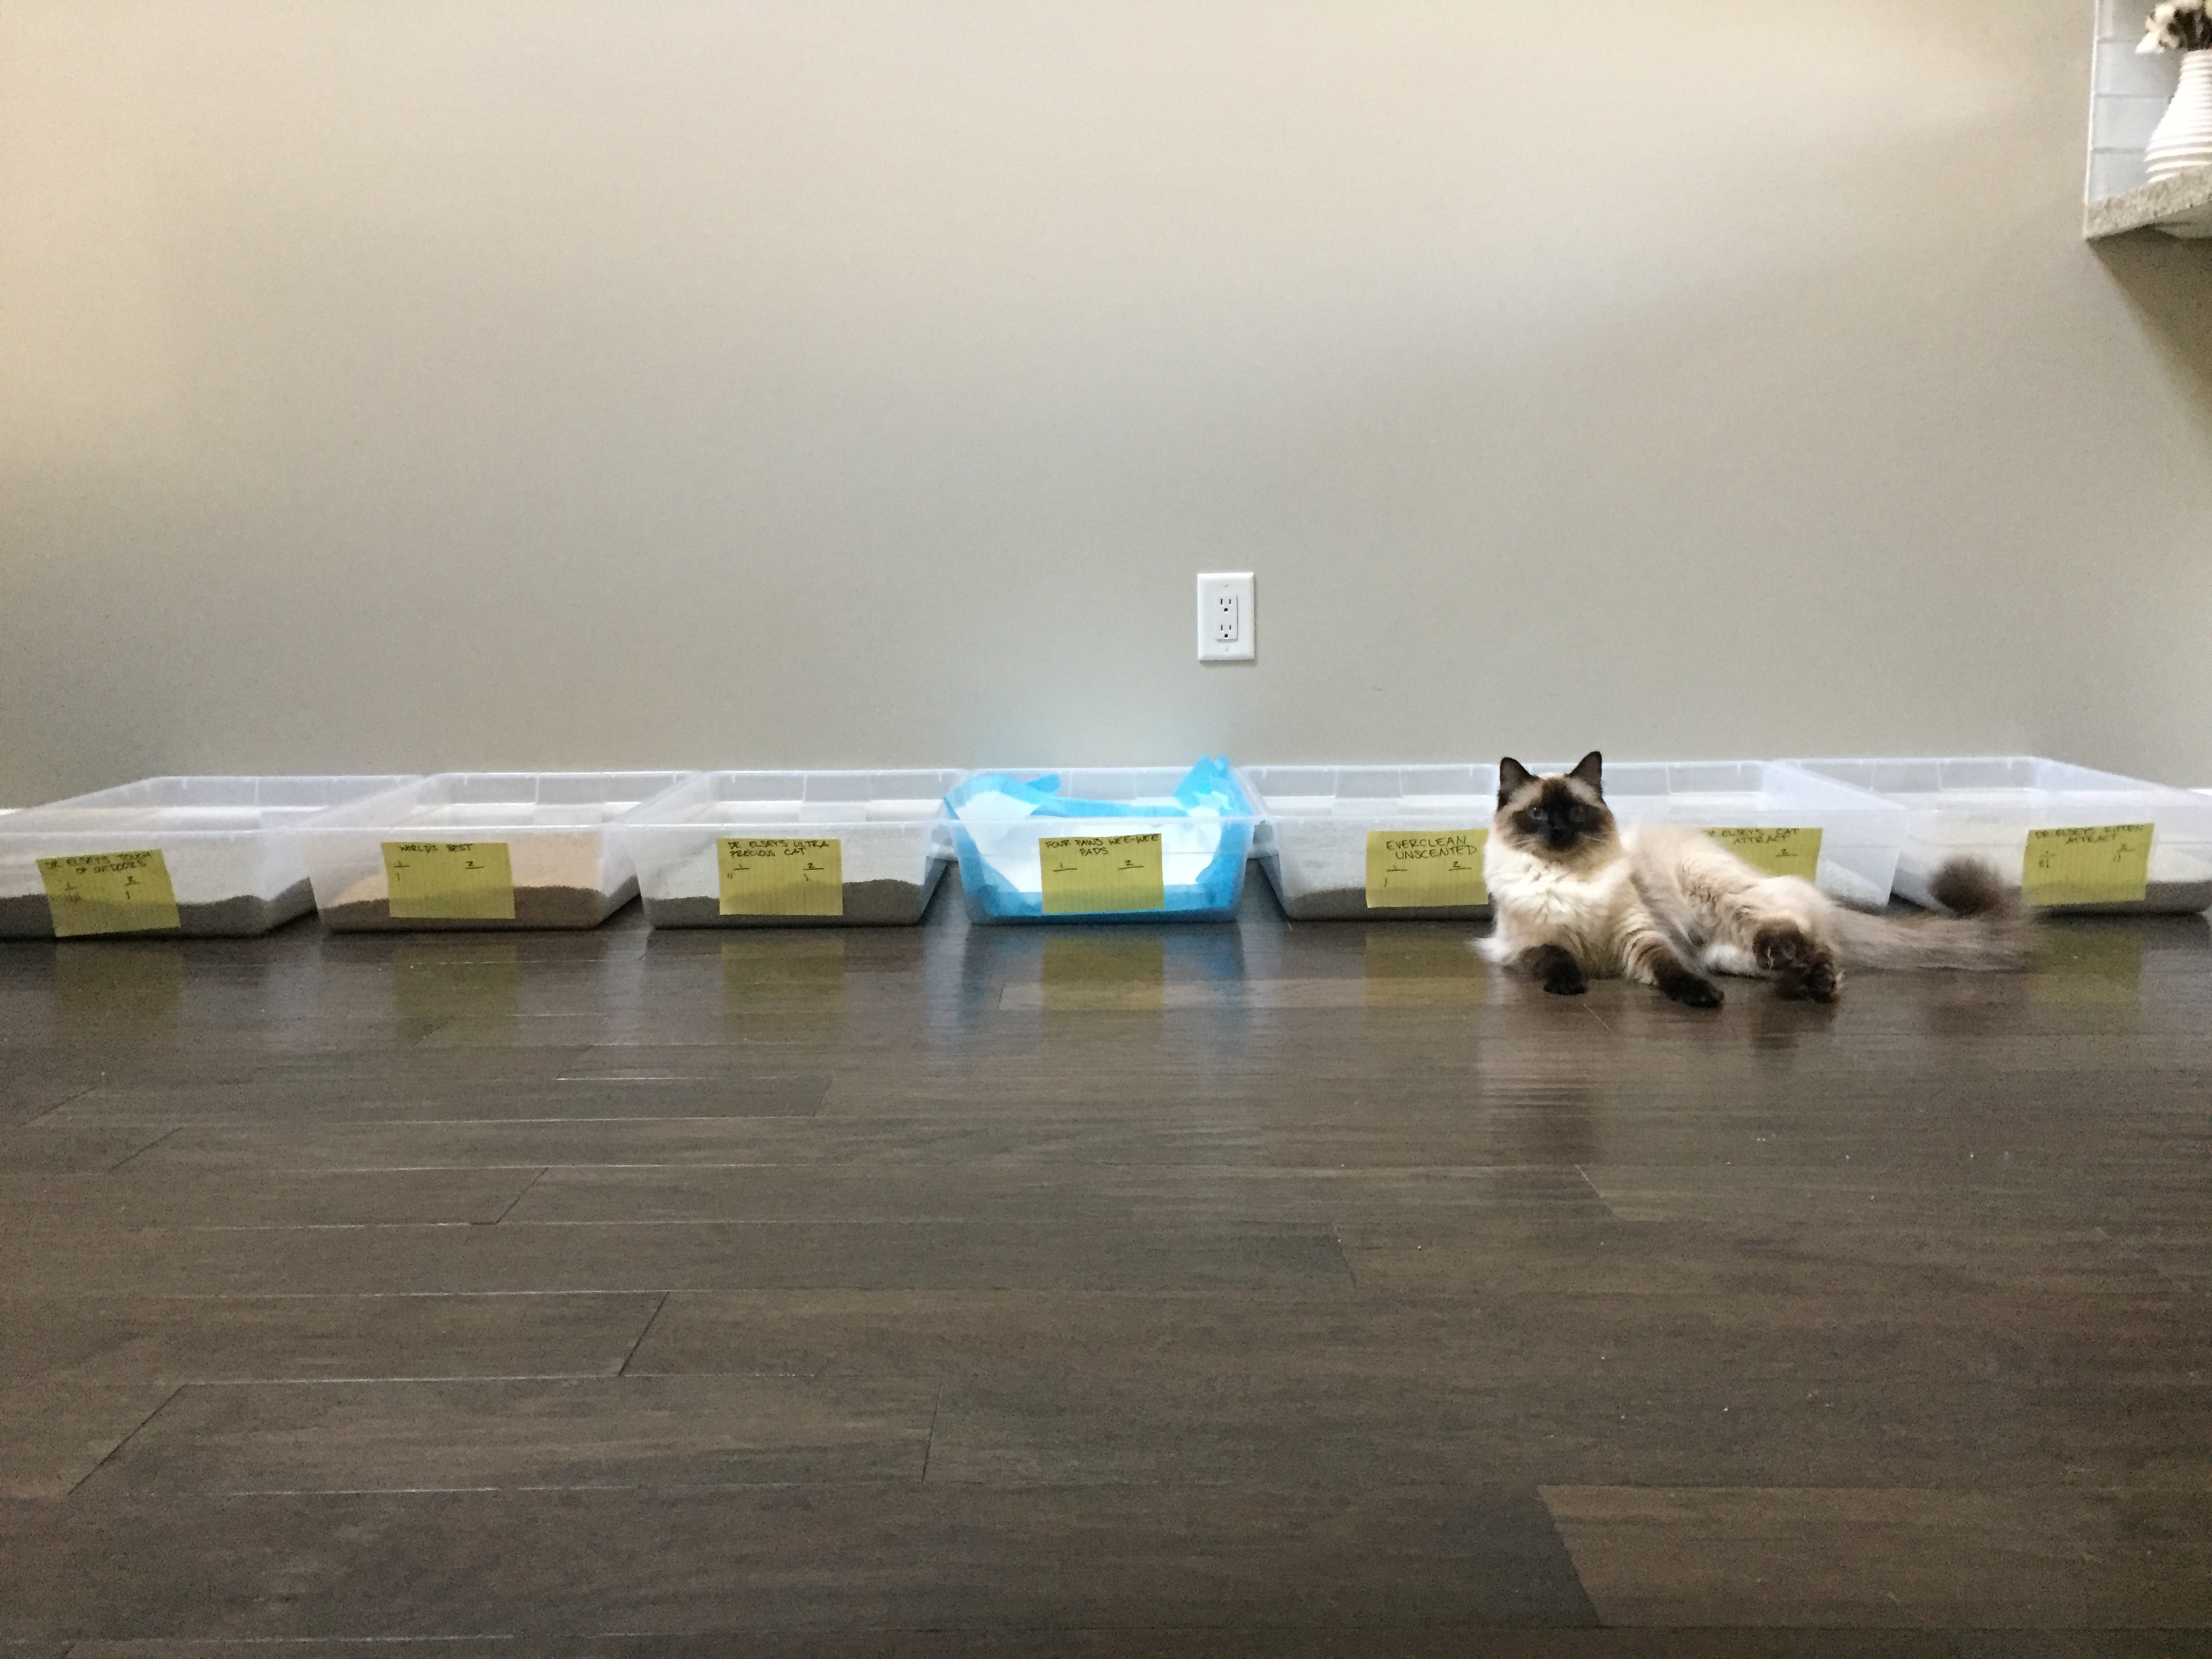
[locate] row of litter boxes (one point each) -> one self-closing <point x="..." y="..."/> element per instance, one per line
<point x="210" y="855"/>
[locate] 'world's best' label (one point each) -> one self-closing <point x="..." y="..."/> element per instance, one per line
<point x="450" y="880"/>
<point x="1773" y="852"/>
<point x="1086" y="874"/>
<point x="1425" y="869"/>
<point x="2108" y="864"/>
<point x="781" y="875"/>
<point x="109" y="893"/>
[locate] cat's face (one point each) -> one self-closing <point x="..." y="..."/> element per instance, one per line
<point x="1560" y="817"/>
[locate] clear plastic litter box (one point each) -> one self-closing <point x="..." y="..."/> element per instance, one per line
<point x="1775" y="815"/>
<point x="1102" y="844"/>
<point x="2007" y="812"/>
<point x="753" y="850"/>
<point x="1374" y="843"/>
<point x="227" y="856"/>
<point x="480" y="850"/>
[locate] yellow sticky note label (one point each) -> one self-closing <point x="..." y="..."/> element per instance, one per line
<point x="781" y="877"/>
<point x="2107" y="865"/>
<point x="1775" y="852"/>
<point x="109" y="893"/>
<point x="450" y="880"/>
<point x="1409" y="869"/>
<point x="1084" y="874"/>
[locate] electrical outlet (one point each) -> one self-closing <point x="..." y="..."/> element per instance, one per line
<point x="1225" y="617"/>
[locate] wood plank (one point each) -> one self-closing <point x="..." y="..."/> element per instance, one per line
<point x="1777" y="1556"/>
<point x="576" y="1563"/>
<point x="61" y="1205"/>
<point x="482" y="1434"/>
<point x="132" y="1339"/>
<point x="660" y="1256"/>
<point x="54" y="1435"/>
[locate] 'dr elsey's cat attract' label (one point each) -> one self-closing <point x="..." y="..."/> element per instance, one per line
<point x="2105" y="864"/>
<point x="1775" y="852"/>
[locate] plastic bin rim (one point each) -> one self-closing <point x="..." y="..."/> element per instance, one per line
<point x="2119" y="779"/>
<point x="348" y="817"/>
<point x="28" y="820"/>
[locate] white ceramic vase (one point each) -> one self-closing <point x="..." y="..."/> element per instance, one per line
<point x="2183" y="138"/>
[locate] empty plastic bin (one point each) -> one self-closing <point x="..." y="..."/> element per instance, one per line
<point x="2067" y="836"/>
<point x="1146" y="856"/>
<point x="183" y="856"/>
<point x="1777" y="816"/>
<point x="479" y="850"/>
<point x="1376" y="842"/>
<point x="767" y="849"/>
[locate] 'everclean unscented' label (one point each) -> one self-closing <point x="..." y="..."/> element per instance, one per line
<point x="1425" y="869"/>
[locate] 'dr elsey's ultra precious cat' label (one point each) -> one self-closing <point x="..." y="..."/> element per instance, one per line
<point x="1425" y="869"/>
<point x="781" y="875"/>
<point x="109" y="893"/>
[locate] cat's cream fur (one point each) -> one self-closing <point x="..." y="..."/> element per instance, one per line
<point x="1579" y="897"/>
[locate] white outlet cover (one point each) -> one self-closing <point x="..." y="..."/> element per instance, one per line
<point x="1227" y="627"/>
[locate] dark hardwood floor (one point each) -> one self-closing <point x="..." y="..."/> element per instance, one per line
<point x="1249" y="1290"/>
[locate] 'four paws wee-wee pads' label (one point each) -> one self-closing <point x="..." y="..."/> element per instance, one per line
<point x="1089" y="873"/>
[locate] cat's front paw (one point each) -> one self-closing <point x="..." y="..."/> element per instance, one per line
<point x="1818" y="982"/>
<point x="1691" y="992"/>
<point x="1565" y="981"/>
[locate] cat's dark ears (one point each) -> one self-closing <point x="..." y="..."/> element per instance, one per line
<point x="1513" y="776"/>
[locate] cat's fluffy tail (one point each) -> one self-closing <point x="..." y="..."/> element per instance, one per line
<point x="1988" y="929"/>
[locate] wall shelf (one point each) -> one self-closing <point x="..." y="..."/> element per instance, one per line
<point x="2180" y="206"/>
<point x="2129" y="93"/>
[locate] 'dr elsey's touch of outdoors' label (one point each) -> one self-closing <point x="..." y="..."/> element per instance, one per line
<point x="780" y="876"/>
<point x="450" y="880"/>
<point x="109" y="893"/>
<point x="2105" y="864"/>
<point x="1084" y="874"/>
<point x="1425" y="869"/>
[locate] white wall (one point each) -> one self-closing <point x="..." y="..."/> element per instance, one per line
<point x="390" y="385"/>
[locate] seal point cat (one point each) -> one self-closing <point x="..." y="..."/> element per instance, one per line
<point x="1579" y="897"/>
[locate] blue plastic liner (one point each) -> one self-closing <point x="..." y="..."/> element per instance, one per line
<point x="1212" y="896"/>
